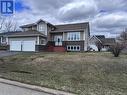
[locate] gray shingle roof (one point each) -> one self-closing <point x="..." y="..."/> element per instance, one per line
<point x="105" y="41"/>
<point x="35" y="24"/>
<point x="26" y="33"/>
<point x="109" y="41"/>
<point x="28" y="25"/>
<point x="100" y="37"/>
<point x="71" y="27"/>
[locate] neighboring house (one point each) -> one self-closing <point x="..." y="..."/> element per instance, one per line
<point x="93" y="41"/>
<point x="105" y="42"/>
<point x="125" y="48"/>
<point x="43" y="36"/>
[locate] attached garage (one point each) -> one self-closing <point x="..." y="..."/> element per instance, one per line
<point x="22" y="45"/>
<point x="25" y="41"/>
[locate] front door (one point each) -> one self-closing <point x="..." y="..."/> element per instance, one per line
<point x="58" y="40"/>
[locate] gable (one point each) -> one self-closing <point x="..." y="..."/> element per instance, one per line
<point x="93" y="40"/>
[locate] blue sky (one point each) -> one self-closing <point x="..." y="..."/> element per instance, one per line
<point x="19" y="6"/>
<point x="108" y="17"/>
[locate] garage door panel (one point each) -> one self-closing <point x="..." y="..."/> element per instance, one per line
<point x="15" y="46"/>
<point x="28" y="46"/>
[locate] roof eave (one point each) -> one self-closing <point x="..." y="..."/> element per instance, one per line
<point x="25" y="35"/>
<point x="81" y="30"/>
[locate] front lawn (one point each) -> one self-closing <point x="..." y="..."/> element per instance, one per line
<point x="80" y="73"/>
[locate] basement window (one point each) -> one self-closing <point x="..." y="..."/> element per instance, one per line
<point x="73" y="48"/>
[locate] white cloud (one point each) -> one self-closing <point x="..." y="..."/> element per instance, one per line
<point x="112" y="5"/>
<point x="108" y="17"/>
<point x="111" y="23"/>
<point x="78" y="10"/>
<point x="116" y="20"/>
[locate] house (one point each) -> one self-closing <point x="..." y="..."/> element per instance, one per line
<point x="107" y="43"/>
<point x="104" y="42"/>
<point x="44" y="36"/>
<point x="93" y="42"/>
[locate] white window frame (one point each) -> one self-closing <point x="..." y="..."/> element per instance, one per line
<point x="41" y="27"/>
<point x="69" y="48"/>
<point x="56" y="40"/>
<point x="73" y="36"/>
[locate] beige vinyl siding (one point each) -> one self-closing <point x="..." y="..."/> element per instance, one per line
<point x="27" y="29"/>
<point x="81" y="35"/>
<point x="34" y="28"/>
<point x="65" y="36"/>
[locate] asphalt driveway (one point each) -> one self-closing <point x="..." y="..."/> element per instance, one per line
<point x="7" y="53"/>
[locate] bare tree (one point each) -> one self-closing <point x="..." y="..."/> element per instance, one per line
<point x="14" y="26"/>
<point x="120" y="45"/>
<point x="123" y="36"/>
<point x="116" y="49"/>
<point x="2" y="21"/>
<point x="10" y="25"/>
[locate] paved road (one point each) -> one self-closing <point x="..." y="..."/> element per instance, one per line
<point x="7" y="53"/>
<point x="6" y="89"/>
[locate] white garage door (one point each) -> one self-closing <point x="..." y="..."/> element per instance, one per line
<point x="22" y="46"/>
<point x="15" y="46"/>
<point x="28" y="46"/>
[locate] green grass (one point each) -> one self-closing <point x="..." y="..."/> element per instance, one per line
<point x="80" y="73"/>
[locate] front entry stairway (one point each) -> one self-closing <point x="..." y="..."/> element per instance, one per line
<point x="51" y="47"/>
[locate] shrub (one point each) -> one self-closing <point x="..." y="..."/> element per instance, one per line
<point x="116" y="49"/>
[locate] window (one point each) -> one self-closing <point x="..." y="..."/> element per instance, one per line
<point x="41" y="27"/>
<point x="43" y="42"/>
<point x="3" y="39"/>
<point x="73" y="48"/>
<point x="68" y="48"/>
<point x="58" y="40"/>
<point x="73" y="36"/>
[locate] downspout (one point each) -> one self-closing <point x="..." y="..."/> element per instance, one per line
<point x="85" y="40"/>
<point x="37" y="40"/>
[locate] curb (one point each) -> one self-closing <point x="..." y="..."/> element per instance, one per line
<point x="35" y="88"/>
